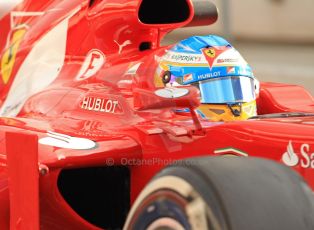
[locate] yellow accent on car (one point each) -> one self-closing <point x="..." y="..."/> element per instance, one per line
<point x="8" y="58"/>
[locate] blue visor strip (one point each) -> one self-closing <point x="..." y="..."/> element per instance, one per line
<point x="227" y="90"/>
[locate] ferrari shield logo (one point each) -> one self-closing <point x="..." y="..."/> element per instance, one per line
<point x="8" y="58"/>
<point x="19" y="22"/>
<point x="210" y="52"/>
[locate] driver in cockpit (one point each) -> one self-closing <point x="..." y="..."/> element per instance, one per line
<point x="226" y="82"/>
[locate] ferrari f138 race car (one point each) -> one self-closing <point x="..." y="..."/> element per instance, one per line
<point x="103" y="128"/>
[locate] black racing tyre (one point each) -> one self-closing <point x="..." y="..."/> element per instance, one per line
<point x="224" y="193"/>
<point x="166" y="77"/>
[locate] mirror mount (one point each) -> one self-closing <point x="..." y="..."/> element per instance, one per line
<point x="171" y="97"/>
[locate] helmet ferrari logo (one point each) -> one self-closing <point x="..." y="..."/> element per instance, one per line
<point x="210" y="52"/>
<point x="8" y="58"/>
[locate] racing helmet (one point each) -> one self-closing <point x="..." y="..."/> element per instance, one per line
<point x="226" y="82"/>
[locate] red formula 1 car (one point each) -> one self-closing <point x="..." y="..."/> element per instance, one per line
<point x="88" y="141"/>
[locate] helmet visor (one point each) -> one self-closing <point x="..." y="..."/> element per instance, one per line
<point x="227" y="90"/>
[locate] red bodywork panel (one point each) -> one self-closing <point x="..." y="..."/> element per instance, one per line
<point x="22" y="156"/>
<point x="77" y="83"/>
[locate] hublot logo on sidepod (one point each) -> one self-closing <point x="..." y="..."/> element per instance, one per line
<point x="101" y="105"/>
<point x="305" y="159"/>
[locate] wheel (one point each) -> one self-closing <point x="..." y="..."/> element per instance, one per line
<point x="166" y="77"/>
<point x="224" y="193"/>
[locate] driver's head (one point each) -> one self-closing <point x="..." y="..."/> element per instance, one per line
<point x="227" y="85"/>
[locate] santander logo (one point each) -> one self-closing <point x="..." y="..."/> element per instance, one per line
<point x="305" y="159"/>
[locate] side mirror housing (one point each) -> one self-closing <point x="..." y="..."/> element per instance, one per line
<point x="176" y="97"/>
